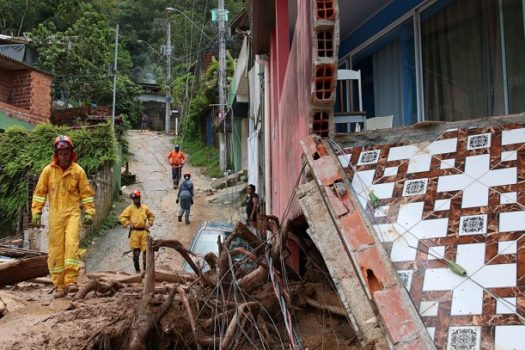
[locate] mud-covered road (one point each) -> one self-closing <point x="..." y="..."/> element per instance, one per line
<point x="37" y="321"/>
<point x="148" y="162"/>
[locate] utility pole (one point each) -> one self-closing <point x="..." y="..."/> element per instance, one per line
<point x="115" y="79"/>
<point x="168" y="76"/>
<point x="222" y="86"/>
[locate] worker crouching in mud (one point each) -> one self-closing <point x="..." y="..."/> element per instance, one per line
<point x="139" y="218"/>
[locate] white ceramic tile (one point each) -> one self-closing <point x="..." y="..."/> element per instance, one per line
<point x="361" y="181"/>
<point x="381" y="211"/>
<point x="406" y="277"/>
<point x="509" y="137"/>
<point x="415" y="187"/>
<point x="419" y="162"/>
<point x="453" y="129"/>
<point x="432" y="332"/>
<point x="442" y="204"/>
<point x="512" y="221"/>
<point x="507" y="247"/>
<point x="464" y="338"/>
<point x="505" y="305"/>
<point x="429" y="308"/>
<point x="476" y="181"/>
<point x="478" y="141"/>
<point x="447" y="163"/>
<point x="509" y="337"/>
<point x="467" y="296"/>
<point x="402" y="152"/>
<point x="369" y="157"/>
<point x="442" y="146"/>
<point x="473" y="225"/>
<point x="508" y="156"/>
<point x="344" y="159"/>
<point x="410" y="229"/>
<point x="391" y="171"/>
<point x="437" y="252"/>
<point x="386" y="232"/>
<point x="508" y="198"/>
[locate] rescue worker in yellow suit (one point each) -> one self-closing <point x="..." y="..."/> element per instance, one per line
<point x="139" y="218"/>
<point x="66" y="185"/>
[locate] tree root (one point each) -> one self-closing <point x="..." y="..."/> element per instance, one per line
<point x="107" y="288"/>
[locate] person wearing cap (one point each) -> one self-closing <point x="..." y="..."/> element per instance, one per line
<point x="139" y="218"/>
<point x="176" y="159"/>
<point x="64" y="183"/>
<point x="185" y="197"/>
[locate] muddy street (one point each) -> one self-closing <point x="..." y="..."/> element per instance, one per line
<point x="153" y="173"/>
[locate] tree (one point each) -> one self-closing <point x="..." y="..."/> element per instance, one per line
<point x="80" y="58"/>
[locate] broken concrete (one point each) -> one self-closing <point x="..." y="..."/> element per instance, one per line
<point x="326" y="238"/>
<point x="399" y="318"/>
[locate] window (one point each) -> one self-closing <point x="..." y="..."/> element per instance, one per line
<point x="514" y="54"/>
<point x="461" y="58"/>
<point x="388" y="76"/>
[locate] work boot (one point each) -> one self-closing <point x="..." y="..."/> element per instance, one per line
<point x="59" y="293"/>
<point x="72" y="288"/>
<point x="180" y="218"/>
<point x="187" y="222"/>
<point x="136" y="256"/>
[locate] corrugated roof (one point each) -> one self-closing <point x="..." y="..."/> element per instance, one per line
<point x="12" y="64"/>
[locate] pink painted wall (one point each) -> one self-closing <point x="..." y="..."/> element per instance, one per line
<point x="290" y="106"/>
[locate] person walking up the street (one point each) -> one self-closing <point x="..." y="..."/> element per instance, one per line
<point x="185" y="197"/>
<point x="65" y="184"/>
<point x="252" y="205"/>
<point x="139" y="218"/>
<point x="176" y="159"/>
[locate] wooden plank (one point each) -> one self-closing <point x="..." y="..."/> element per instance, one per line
<point x="15" y="271"/>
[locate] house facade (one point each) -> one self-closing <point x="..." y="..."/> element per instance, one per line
<point x="441" y="190"/>
<point x="25" y="94"/>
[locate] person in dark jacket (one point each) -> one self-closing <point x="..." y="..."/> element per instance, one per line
<point x="185" y="197"/>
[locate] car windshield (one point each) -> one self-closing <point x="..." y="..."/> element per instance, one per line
<point x="207" y="242"/>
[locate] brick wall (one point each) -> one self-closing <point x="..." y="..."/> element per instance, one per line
<point x="26" y="95"/>
<point x="21" y="89"/>
<point x="5" y="88"/>
<point x="40" y="95"/>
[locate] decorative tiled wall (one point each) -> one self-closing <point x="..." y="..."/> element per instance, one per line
<point x="451" y="214"/>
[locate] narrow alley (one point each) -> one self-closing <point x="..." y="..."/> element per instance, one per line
<point x="153" y="173"/>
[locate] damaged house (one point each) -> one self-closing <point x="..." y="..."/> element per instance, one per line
<point x="410" y="185"/>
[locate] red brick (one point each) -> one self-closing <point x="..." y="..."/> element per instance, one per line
<point x="373" y="268"/>
<point x="396" y="317"/>
<point x="325" y="9"/>
<point x="357" y="234"/>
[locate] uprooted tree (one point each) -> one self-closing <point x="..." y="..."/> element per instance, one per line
<point x="236" y="303"/>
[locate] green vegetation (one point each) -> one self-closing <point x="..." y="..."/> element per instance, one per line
<point x="23" y="154"/>
<point x="201" y="155"/>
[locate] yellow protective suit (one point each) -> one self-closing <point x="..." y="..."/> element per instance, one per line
<point x="137" y="217"/>
<point x="66" y="190"/>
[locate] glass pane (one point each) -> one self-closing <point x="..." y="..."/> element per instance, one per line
<point x="388" y="76"/>
<point x="515" y="54"/>
<point x="462" y="69"/>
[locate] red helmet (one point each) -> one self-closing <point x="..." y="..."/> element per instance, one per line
<point x="63" y="142"/>
<point x="134" y="194"/>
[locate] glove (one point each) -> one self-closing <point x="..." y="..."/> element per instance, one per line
<point x="177" y="201"/>
<point x="35" y="220"/>
<point x="88" y="219"/>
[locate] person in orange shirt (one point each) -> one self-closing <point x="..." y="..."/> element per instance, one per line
<point x="176" y="159"/>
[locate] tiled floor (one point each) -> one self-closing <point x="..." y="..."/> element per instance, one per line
<point x="452" y="217"/>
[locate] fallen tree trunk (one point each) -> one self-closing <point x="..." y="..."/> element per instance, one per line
<point x="22" y="270"/>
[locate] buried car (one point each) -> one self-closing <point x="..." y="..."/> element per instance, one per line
<point x="205" y="242"/>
